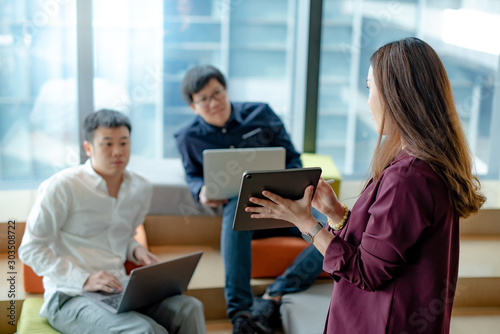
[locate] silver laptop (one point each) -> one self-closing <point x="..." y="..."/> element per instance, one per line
<point x="223" y="168"/>
<point x="150" y="284"/>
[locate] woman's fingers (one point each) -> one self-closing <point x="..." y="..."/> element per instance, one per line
<point x="266" y="208"/>
<point x="261" y="211"/>
<point x="324" y="187"/>
<point x="278" y="207"/>
<point x="274" y="198"/>
<point x="308" y="193"/>
<point x="261" y="202"/>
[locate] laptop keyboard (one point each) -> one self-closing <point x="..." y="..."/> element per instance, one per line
<point x="112" y="301"/>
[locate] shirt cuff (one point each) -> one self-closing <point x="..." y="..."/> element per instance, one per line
<point x="336" y="255"/>
<point x="82" y="279"/>
<point x="130" y="252"/>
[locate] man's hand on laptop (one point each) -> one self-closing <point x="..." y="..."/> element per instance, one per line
<point x="103" y="281"/>
<point x="145" y="257"/>
<point x="213" y="203"/>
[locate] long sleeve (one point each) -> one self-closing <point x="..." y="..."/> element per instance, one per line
<point x="194" y="182"/>
<point x="250" y="125"/>
<point x="76" y="228"/>
<point x="192" y="168"/>
<point x="43" y="226"/>
<point x="139" y="219"/>
<point x="397" y="256"/>
<point x="400" y="214"/>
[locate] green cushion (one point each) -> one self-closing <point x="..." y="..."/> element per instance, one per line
<point x="328" y="167"/>
<point x="30" y="321"/>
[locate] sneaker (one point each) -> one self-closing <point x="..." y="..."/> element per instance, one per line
<point x="267" y="312"/>
<point x="241" y="325"/>
<point x="245" y="324"/>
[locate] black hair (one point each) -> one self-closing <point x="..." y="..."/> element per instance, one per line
<point x="105" y="118"/>
<point x="196" y="78"/>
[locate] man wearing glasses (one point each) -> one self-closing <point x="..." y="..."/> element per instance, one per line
<point x="223" y="124"/>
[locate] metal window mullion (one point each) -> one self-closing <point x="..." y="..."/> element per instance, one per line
<point x="494" y="156"/>
<point x="312" y="75"/>
<point x="225" y="37"/>
<point x="159" y="76"/>
<point x="85" y="65"/>
<point x="300" y="73"/>
<point x="29" y="78"/>
<point x="421" y="6"/>
<point x="290" y="61"/>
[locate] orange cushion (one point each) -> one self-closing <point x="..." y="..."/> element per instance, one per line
<point x="140" y="236"/>
<point x="33" y="283"/>
<point x="271" y="256"/>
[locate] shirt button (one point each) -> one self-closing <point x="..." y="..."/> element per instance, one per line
<point x="224" y="130"/>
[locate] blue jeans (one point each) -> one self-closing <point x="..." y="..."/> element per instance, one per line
<point x="237" y="256"/>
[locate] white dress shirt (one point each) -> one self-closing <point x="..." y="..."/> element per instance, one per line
<point x="76" y="229"/>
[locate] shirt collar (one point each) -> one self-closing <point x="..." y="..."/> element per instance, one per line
<point x="99" y="182"/>
<point x="95" y="178"/>
<point x="235" y="114"/>
<point x="234" y="119"/>
<point x="400" y="156"/>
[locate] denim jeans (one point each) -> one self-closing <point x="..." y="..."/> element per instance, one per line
<point x="237" y="256"/>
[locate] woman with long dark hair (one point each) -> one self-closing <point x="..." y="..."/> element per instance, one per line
<point x="394" y="257"/>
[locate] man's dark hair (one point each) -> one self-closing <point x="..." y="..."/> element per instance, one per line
<point x="105" y="118"/>
<point x="196" y="78"/>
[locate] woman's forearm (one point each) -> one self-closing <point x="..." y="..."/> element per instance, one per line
<point x="322" y="240"/>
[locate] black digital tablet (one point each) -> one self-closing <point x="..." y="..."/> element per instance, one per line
<point x="287" y="183"/>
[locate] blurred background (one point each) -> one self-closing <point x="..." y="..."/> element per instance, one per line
<point x="133" y="54"/>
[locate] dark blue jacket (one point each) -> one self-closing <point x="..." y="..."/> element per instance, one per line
<point x="250" y="125"/>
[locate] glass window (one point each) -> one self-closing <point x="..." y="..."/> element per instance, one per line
<point x="128" y="75"/>
<point x="261" y="54"/>
<point x="353" y="30"/>
<point x="193" y="35"/>
<point x="143" y="50"/>
<point x="38" y="99"/>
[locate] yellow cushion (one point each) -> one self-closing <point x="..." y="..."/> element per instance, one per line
<point x="30" y="321"/>
<point x="328" y="167"/>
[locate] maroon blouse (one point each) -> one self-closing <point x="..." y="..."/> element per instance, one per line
<point x="395" y="263"/>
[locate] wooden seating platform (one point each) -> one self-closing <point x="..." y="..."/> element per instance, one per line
<point x="476" y="307"/>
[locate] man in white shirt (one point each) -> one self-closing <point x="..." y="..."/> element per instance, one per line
<point x="81" y="231"/>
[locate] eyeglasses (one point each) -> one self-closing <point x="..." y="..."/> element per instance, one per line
<point x="217" y="96"/>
